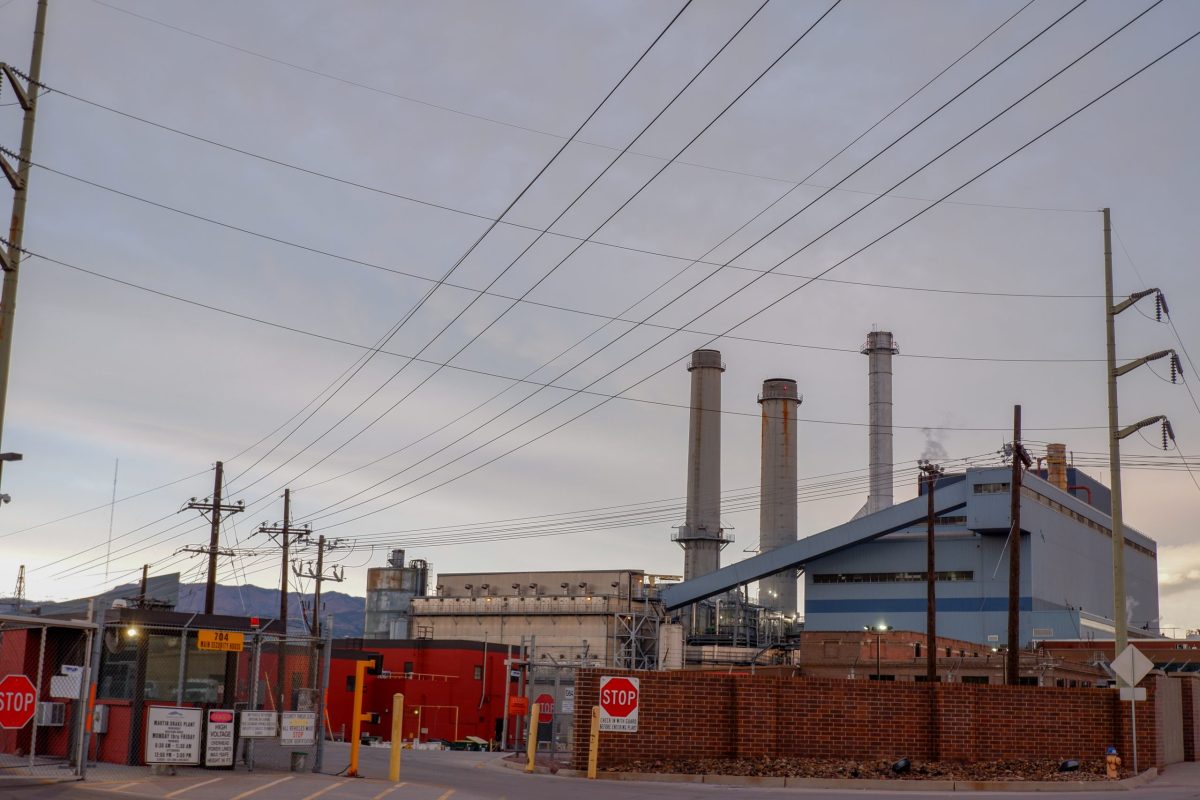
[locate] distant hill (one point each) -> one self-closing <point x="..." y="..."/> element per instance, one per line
<point x="255" y="601"/>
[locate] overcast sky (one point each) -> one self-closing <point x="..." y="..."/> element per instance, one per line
<point x="459" y="105"/>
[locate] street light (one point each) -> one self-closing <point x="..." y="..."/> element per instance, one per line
<point x="878" y="630"/>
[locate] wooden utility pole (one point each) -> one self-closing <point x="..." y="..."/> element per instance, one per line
<point x="318" y="576"/>
<point x="18" y="178"/>
<point x="285" y="534"/>
<point x="1020" y="462"/>
<point x="931" y="473"/>
<point x="215" y="510"/>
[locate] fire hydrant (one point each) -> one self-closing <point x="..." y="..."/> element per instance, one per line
<point x="1113" y="762"/>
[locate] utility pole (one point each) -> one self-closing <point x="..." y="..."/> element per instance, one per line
<point x="931" y="473"/>
<point x="215" y="511"/>
<point x="285" y="534"/>
<point x="1116" y="433"/>
<point x="144" y="585"/>
<point x="1020" y="463"/>
<point x="18" y="178"/>
<point x="318" y="575"/>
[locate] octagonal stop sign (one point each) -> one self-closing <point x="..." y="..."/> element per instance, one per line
<point x="619" y="701"/>
<point x="18" y="699"/>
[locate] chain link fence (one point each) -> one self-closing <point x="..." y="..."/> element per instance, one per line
<point x="45" y="675"/>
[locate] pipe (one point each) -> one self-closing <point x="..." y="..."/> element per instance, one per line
<point x="1088" y="489"/>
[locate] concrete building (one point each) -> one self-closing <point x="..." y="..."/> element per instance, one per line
<point x="602" y="617"/>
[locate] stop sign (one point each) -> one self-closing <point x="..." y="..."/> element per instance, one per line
<point x="545" y="706"/>
<point x="619" y="704"/>
<point x="17" y="701"/>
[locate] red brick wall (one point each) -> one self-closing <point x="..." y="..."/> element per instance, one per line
<point x="1191" y="715"/>
<point x="696" y="714"/>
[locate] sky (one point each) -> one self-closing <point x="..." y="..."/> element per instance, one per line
<point x="252" y="196"/>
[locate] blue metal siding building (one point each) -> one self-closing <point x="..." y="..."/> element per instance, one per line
<point x="1066" y="568"/>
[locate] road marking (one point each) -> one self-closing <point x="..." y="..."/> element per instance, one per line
<point x="446" y="795"/>
<point x="257" y="789"/>
<point x="178" y="792"/>
<point x="388" y="791"/>
<point x="123" y="786"/>
<point x="320" y="792"/>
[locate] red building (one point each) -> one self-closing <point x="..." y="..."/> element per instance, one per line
<point x="452" y="689"/>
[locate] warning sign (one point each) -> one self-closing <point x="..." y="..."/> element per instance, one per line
<point x="297" y="728"/>
<point x="218" y="742"/>
<point x="228" y="641"/>
<point x="259" y="725"/>
<point x="173" y="735"/>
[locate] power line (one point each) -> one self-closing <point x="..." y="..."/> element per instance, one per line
<point x="705" y="278"/>
<point x="408" y="98"/>
<point x="596" y="230"/>
<point x="961" y="186"/>
<point x="764" y="274"/>
<point x="408" y="315"/>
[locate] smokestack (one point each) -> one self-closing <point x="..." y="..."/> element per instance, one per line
<point x="879" y="349"/>
<point x="1056" y="465"/>
<point x="777" y="509"/>
<point x="701" y="536"/>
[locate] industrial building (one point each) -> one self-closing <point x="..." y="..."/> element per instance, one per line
<point x="592" y="617"/>
<point x="869" y="571"/>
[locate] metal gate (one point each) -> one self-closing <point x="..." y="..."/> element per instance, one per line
<point x="45" y="677"/>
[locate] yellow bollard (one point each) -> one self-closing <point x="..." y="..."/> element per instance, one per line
<point x="397" y="737"/>
<point x="356" y="715"/>
<point x="594" y="743"/>
<point x="535" y="711"/>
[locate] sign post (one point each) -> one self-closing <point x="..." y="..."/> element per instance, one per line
<point x="18" y="699"/>
<point x="1131" y="666"/>
<point x="619" y="699"/>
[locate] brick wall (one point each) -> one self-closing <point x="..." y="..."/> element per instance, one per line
<point x="1191" y="715"/>
<point x="704" y="714"/>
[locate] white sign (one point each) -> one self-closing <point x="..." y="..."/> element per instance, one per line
<point x="1131" y="666"/>
<point x="297" y="728"/>
<point x="218" y="741"/>
<point x="258" y="725"/>
<point x="568" y="701"/>
<point x="619" y="701"/>
<point x="1133" y="692"/>
<point x="173" y="735"/>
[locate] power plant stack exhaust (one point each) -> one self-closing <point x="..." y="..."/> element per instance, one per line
<point x="1056" y="465"/>
<point x="701" y="535"/>
<point x="777" y="507"/>
<point x="879" y="349"/>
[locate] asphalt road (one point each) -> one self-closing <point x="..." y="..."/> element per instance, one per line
<point x="433" y="775"/>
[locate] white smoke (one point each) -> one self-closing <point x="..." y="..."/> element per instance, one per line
<point x="934" y="451"/>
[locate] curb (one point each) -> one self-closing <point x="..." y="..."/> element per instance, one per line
<point x="893" y="785"/>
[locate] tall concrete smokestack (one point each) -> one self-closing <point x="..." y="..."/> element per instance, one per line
<point x="777" y="509"/>
<point x="879" y="349"/>
<point x="701" y="536"/>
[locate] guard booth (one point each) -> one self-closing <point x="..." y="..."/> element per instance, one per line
<point x="193" y="689"/>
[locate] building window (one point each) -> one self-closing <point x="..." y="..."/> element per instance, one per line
<point x="925" y="678"/>
<point x="975" y="679"/>
<point x="959" y="520"/>
<point x="917" y="650"/>
<point x="408" y="667"/>
<point x="478" y="672"/>
<point x="883" y="677"/>
<point x="892" y="577"/>
<point x="993" y="488"/>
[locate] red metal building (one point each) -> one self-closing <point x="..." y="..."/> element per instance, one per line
<point x="452" y="689"/>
